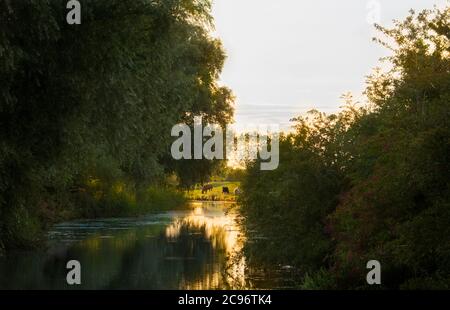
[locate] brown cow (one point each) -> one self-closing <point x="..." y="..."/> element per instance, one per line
<point x="206" y="188"/>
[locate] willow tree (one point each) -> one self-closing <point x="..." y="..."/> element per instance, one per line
<point x="97" y="100"/>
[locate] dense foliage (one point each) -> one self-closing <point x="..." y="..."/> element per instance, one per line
<point x="86" y="110"/>
<point x="367" y="183"/>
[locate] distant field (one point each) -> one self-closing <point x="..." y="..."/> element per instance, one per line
<point x="216" y="193"/>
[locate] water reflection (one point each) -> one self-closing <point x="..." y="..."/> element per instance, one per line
<point x="200" y="248"/>
<point x="226" y="268"/>
<point x="173" y="250"/>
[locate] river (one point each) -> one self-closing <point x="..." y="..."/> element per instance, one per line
<point x="199" y="248"/>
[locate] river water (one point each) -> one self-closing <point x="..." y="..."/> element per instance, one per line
<point x="200" y="248"/>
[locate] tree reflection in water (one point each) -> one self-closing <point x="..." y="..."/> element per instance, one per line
<point x="196" y="249"/>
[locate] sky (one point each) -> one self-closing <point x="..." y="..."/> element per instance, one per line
<point x="286" y="57"/>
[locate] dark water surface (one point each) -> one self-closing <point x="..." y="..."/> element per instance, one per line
<point x="200" y="248"/>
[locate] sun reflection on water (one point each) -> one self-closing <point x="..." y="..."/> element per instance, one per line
<point x="225" y="236"/>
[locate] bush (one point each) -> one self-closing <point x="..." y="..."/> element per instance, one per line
<point x="320" y="280"/>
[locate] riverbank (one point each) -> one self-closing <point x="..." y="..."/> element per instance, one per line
<point x="123" y="203"/>
<point x="27" y="227"/>
<point x="215" y="193"/>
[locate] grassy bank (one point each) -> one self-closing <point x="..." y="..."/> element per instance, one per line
<point x="216" y="193"/>
<point x="126" y="203"/>
<point x="27" y="226"/>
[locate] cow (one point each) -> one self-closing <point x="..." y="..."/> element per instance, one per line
<point x="206" y="188"/>
<point x="237" y="191"/>
<point x="225" y="190"/>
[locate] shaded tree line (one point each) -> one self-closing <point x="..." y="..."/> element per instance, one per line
<point x="86" y="110"/>
<point x="367" y="183"/>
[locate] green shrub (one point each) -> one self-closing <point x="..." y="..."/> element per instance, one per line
<point x="320" y="280"/>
